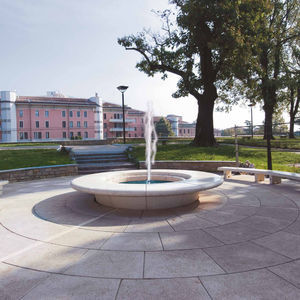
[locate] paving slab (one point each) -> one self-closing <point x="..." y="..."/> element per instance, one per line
<point x="70" y="287"/>
<point x="265" y="224"/>
<point x="162" y="289"/>
<point x="15" y="282"/>
<point x="285" y="243"/>
<point x="294" y="227"/>
<point x="289" y="271"/>
<point x="109" y="264"/>
<point x="189" y="222"/>
<point x="89" y="239"/>
<point x="47" y="257"/>
<point x="234" y="233"/>
<point x="133" y="242"/>
<point x="149" y="225"/>
<point x="184" y="263"/>
<point x="260" y="284"/>
<point x="188" y="240"/>
<point x="244" y="257"/>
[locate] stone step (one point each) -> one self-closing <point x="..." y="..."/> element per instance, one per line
<point x="100" y="160"/>
<point x="91" y="171"/>
<point x="111" y="165"/>
<point x="95" y="154"/>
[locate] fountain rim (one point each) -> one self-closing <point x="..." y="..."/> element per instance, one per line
<point x="184" y="182"/>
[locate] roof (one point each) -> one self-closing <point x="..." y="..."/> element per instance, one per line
<point x="128" y="108"/>
<point x="54" y="100"/>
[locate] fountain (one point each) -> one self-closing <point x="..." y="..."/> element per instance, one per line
<point x="150" y="189"/>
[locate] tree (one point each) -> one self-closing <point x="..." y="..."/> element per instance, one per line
<point x="291" y="94"/>
<point x="206" y="43"/>
<point x="278" y="29"/>
<point x="163" y="128"/>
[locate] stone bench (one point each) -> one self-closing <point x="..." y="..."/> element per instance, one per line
<point x="275" y="176"/>
<point x="2" y="183"/>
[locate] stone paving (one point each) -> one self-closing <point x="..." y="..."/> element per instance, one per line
<point x="242" y="241"/>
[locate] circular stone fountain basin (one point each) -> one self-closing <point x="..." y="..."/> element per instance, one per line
<point x="183" y="188"/>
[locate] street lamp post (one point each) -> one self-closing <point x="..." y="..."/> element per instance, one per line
<point x="122" y="89"/>
<point x="251" y="105"/>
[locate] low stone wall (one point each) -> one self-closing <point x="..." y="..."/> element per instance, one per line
<point x="198" y="165"/>
<point x="38" y="172"/>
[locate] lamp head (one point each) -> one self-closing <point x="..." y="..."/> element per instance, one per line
<point x="122" y="88"/>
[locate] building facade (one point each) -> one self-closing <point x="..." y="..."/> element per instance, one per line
<point x="53" y="117"/>
<point x="113" y="121"/>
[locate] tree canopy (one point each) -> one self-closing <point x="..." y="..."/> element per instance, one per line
<point x="163" y="128"/>
<point x="207" y="43"/>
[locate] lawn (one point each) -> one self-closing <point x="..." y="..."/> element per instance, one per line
<point x="13" y="159"/>
<point x="281" y="160"/>
<point x="28" y="144"/>
<point x="283" y="143"/>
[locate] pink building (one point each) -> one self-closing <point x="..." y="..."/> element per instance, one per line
<point x="113" y="121"/>
<point x="49" y="118"/>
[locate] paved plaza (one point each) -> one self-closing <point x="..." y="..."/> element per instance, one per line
<point x="242" y="241"/>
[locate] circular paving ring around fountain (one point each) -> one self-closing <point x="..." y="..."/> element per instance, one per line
<point x="183" y="188"/>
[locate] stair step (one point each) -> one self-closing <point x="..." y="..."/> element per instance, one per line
<point x="91" y="171"/>
<point x="105" y="165"/>
<point x="101" y="160"/>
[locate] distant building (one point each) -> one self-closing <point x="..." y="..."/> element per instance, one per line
<point x="52" y="117"/>
<point x="113" y="121"/>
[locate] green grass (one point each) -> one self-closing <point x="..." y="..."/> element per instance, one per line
<point x="283" y="143"/>
<point x="28" y="144"/>
<point x="14" y="159"/>
<point x="281" y="160"/>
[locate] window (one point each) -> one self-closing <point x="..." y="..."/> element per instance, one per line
<point x="37" y="124"/>
<point x="47" y="135"/>
<point x="21" y="113"/>
<point x="104" y="116"/>
<point x="37" y="113"/>
<point x="63" y="113"/>
<point x="78" y="124"/>
<point x="46" y="113"/>
<point x="142" y="120"/>
<point x="105" y="125"/>
<point x="134" y="128"/>
<point x="71" y="124"/>
<point x="37" y="135"/>
<point x="21" y="124"/>
<point x="135" y="135"/>
<point x="26" y="135"/>
<point x="78" y="113"/>
<point x="142" y="135"/>
<point x="63" y="124"/>
<point x="21" y="136"/>
<point x="86" y="135"/>
<point x="64" y="135"/>
<point x="85" y="114"/>
<point x="85" y="124"/>
<point x="129" y="135"/>
<point x="47" y="124"/>
<point x="71" y="113"/>
<point x="188" y="131"/>
<point x="180" y="131"/>
<point x="183" y="130"/>
<point x="71" y="134"/>
<point x="78" y="133"/>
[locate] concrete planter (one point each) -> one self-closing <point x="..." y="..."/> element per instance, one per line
<point x="197" y="165"/>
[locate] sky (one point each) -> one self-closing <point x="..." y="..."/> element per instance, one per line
<point x="71" y="46"/>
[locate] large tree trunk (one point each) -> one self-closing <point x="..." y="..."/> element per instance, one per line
<point x="205" y="128"/>
<point x="268" y="133"/>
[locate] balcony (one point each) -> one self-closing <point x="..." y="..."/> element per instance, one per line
<point x="120" y="129"/>
<point x="121" y="120"/>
